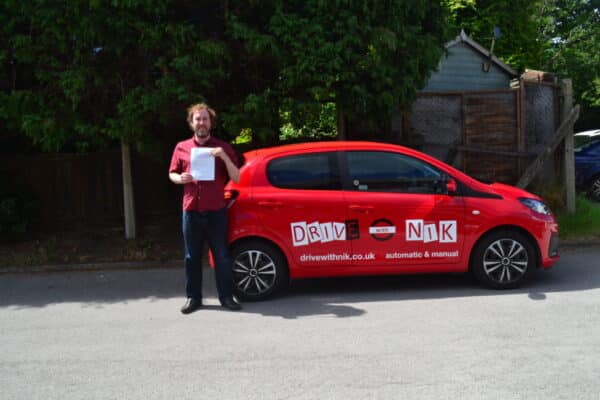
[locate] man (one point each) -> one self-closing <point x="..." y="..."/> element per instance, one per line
<point x="204" y="207"/>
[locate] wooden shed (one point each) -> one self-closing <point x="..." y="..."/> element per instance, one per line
<point x="467" y="65"/>
<point x="477" y="114"/>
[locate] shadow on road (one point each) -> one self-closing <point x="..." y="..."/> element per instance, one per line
<point x="42" y="289"/>
<point x="577" y="270"/>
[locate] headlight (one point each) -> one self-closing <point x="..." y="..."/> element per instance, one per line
<point x="536" y="205"/>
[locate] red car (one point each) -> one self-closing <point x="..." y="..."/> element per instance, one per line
<point x="360" y="208"/>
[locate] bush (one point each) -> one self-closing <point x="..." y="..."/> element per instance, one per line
<point x="584" y="223"/>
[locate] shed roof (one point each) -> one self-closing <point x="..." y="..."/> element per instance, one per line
<point x="464" y="38"/>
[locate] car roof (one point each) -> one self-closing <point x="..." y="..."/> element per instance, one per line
<point x="342" y="145"/>
<point x="591" y="133"/>
<point x="322" y="146"/>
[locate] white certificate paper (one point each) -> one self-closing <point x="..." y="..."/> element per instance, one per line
<point x="202" y="164"/>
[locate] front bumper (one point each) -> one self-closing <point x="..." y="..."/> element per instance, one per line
<point x="552" y="255"/>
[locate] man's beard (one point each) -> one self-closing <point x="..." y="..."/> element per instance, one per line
<point x="202" y="133"/>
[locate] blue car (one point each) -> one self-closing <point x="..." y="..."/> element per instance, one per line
<point x="587" y="163"/>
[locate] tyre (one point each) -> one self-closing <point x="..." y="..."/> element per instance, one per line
<point x="259" y="270"/>
<point x="593" y="191"/>
<point x="503" y="259"/>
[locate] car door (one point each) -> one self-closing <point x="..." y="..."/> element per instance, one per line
<point x="405" y="216"/>
<point x="301" y="204"/>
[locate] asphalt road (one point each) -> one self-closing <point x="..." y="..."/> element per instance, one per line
<point x="119" y="335"/>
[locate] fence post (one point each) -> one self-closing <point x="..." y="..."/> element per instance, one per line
<point x="549" y="148"/>
<point x="566" y="88"/>
<point x="128" y="200"/>
<point x="521" y="125"/>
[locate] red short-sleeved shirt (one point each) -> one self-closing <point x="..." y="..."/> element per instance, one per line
<point x="202" y="195"/>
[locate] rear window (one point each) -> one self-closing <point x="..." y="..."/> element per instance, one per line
<point x="377" y="171"/>
<point x="585" y="142"/>
<point x="305" y="171"/>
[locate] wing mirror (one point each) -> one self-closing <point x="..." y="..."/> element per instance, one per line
<point x="451" y="186"/>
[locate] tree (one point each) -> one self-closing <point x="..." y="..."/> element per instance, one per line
<point x="82" y="74"/>
<point x="571" y="31"/>
<point x="518" y="21"/>
<point x="366" y="57"/>
<point x="79" y="75"/>
<point x="558" y="36"/>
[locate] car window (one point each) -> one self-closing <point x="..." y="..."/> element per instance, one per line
<point x="583" y="142"/>
<point x="594" y="148"/>
<point x="580" y="141"/>
<point x="305" y="171"/>
<point x="376" y="171"/>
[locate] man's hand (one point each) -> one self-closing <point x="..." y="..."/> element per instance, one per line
<point x="232" y="169"/>
<point x="181" y="179"/>
<point x="186" y="177"/>
<point x="219" y="152"/>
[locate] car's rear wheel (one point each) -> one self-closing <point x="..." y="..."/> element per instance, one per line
<point x="259" y="270"/>
<point x="503" y="259"/>
<point x="594" y="189"/>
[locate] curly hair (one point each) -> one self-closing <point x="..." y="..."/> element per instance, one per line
<point x="199" y="107"/>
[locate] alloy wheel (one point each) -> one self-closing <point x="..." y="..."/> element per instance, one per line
<point x="505" y="261"/>
<point x="254" y="272"/>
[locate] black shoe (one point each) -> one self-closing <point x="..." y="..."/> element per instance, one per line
<point x="230" y="304"/>
<point x="191" y="305"/>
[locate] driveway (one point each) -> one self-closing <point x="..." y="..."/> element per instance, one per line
<point x="119" y="334"/>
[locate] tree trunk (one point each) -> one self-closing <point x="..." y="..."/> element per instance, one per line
<point x="128" y="199"/>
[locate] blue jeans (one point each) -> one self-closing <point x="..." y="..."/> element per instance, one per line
<point x="199" y="227"/>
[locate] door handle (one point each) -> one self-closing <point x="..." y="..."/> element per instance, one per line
<point x="270" y="204"/>
<point x="359" y="208"/>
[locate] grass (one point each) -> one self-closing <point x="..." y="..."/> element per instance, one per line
<point x="584" y="223"/>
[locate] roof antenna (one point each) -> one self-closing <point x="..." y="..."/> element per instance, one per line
<point x="486" y="64"/>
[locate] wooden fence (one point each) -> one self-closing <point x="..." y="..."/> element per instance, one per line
<point x="492" y="135"/>
<point x="76" y="189"/>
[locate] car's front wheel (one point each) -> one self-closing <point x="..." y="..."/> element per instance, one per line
<point x="503" y="259"/>
<point x="259" y="270"/>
